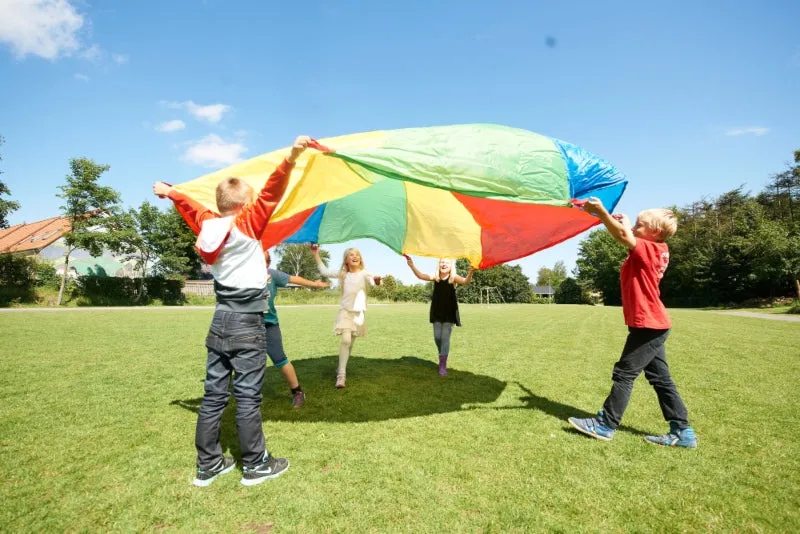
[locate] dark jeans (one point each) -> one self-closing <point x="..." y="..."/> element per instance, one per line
<point x="236" y="342"/>
<point x="644" y="351"/>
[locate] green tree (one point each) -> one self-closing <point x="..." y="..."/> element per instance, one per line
<point x="570" y="292"/>
<point x="510" y="281"/>
<point x="388" y="289"/>
<point x="6" y="206"/>
<point x="297" y="259"/>
<point x="137" y="239"/>
<point x="599" y="259"/>
<point x="160" y="242"/>
<point x="177" y="255"/>
<point x="552" y="277"/>
<point x="92" y="211"/>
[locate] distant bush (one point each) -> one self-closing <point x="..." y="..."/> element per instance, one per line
<point x="114" y="291"/>
<point x="17" y="279"/>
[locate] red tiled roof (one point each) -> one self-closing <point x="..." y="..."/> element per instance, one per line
<point x="33" y="236"/>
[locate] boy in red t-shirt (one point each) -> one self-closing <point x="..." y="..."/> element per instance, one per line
<point x="648" y="327"/>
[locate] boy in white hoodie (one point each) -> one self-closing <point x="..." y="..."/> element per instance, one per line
<point x="230" y="242"/>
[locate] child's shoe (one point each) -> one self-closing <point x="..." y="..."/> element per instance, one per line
<point x="206" y="476"/>
<point x="593" y="426"/>
<point x="270" y="467"/>
<point x="676" y="437"/>
<point x="443" y="364"/>
<point x="298" y="399"/>
<point x="340" y="379"/>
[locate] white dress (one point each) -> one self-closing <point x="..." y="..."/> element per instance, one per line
<point x="353" y="306"/>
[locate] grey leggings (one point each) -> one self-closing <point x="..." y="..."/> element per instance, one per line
<point x="441" y="334"/>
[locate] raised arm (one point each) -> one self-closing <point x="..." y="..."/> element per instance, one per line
<point x="314" y="284"/>
<point x="615" y="227"/>
<point x="192" y="212"/>
<point x="254" y="217"/>
<point x="421" y="276"/>
<point x="464" y="281"/>
<point x="324" y="271"/>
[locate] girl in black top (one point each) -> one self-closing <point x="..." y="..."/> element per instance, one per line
<point x="444" y="304"/>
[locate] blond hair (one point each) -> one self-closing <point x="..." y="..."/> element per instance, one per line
<point x="344" y="270"/>
<point x="452" y="276"/>
<point x="232" y="194"/>
<point x="660" y="220"/>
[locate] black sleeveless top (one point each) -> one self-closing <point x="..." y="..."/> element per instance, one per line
<point x="444" y="304"/>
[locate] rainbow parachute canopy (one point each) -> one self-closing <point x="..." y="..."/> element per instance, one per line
<point x="486" y="193"/>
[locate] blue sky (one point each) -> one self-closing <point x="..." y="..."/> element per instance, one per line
<point x="689" y="99"/>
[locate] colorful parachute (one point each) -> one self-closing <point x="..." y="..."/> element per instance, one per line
<point x="487" y="193"/>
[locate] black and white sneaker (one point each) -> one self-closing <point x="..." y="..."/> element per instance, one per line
<point x="271" y="467"/>
<point x="206" y="476"/>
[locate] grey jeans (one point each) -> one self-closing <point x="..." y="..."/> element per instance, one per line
<point x="441" y="335"/>
<point x="237" y="344"/>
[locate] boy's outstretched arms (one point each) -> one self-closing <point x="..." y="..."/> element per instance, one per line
<point x="617" y="225"/>
<point x="256" y="216"/>
<point x="192" y="212"/>
<point x="300" y="144"/>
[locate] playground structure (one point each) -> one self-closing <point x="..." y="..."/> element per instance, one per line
<point x="489" y="295"/>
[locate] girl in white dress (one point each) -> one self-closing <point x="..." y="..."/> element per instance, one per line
<point x="351" y="320"/>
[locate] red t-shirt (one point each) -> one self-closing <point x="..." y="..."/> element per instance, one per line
<point x="641" y="273"/>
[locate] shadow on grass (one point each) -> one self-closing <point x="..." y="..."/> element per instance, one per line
<point x="532" y="401"/>
<point x="377" y="390"/>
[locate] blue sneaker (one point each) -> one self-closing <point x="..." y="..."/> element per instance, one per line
<point x="593" y="426"/>
<point x="675" y="437"/>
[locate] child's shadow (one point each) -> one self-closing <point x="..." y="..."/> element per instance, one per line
<point x="560" y="411"/>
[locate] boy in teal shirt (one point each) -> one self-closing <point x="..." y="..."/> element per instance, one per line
<point x="276" y="279"/>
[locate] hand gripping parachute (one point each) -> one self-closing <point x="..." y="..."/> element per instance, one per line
<point x="486" y="193"/>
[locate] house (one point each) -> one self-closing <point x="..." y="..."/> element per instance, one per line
<point x="543" y="292"/>
<point x="44" y="240"/>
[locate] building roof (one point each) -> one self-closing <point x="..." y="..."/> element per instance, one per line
<point x="543" y="290"/>
<point x="33" y="236"/>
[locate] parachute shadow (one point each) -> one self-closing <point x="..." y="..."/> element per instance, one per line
<point x="377" y="390"/>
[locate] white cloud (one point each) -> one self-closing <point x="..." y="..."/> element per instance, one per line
<point x="45" y="28"/>
<point x="81" y="77"/>
<point x="175" y="125"/>
<point x="120" y="59"/>
<point x="213" y="151"/>
<point x="93" y="53"/>
<point x="750" y="130"/>
<point x="210" y="113"/>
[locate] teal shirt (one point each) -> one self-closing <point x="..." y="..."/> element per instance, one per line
<point x="276" y="279"/>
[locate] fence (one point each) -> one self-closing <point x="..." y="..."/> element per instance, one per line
<point x="201" y="288"/>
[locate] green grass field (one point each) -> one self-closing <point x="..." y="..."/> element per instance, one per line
<point x="98" y="409"/>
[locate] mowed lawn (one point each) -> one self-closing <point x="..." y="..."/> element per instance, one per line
<point x="98" y="410"/>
